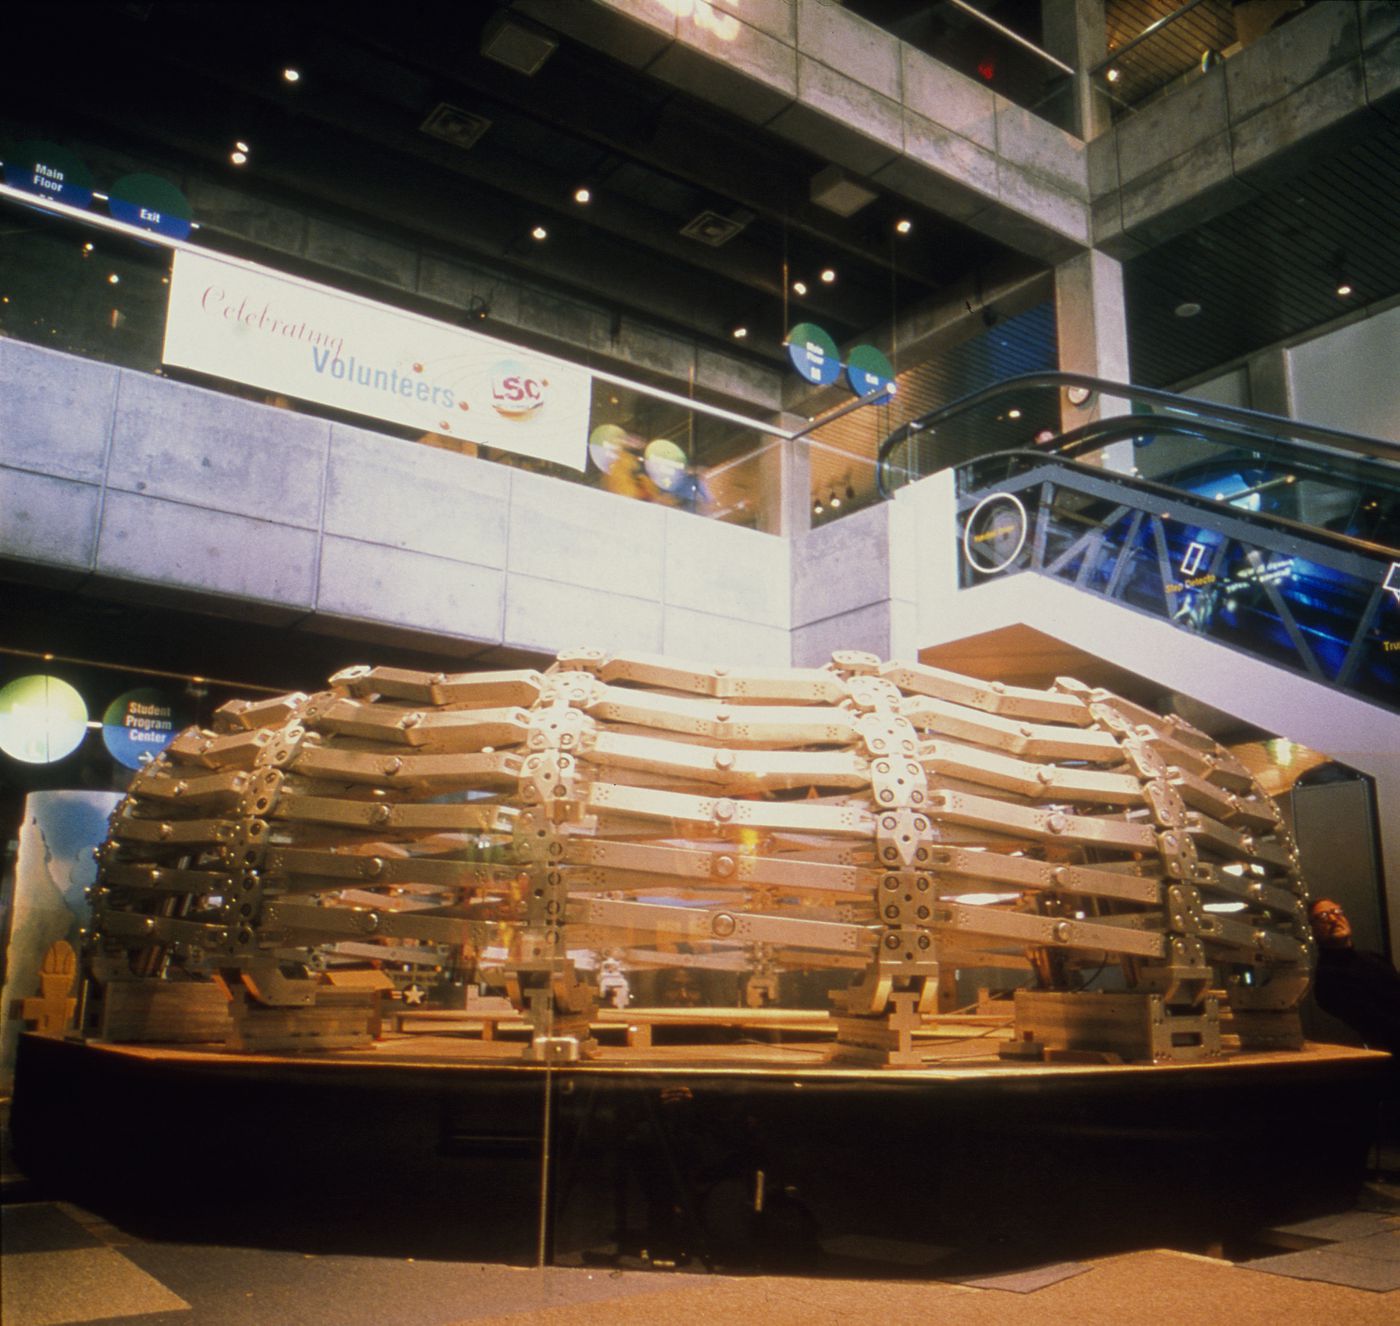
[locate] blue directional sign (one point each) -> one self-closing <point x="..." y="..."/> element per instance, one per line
<point x="51" y="171"/>
<point x="151" y="203"/>
<point x="867" y="370"/>
<point x="814" y="354"/>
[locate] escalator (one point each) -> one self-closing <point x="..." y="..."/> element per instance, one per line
<point x="1269" y="537"/>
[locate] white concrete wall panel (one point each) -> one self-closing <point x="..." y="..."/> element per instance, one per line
<point x="708" y="638"/>
<point x="57" y="411"/>
<point x="841" y="566"/>
<point x="711" y="565"/>
<point x="1350" y="378"/>
<point x="432" y="595"/>
<point x="565" y="532"/>
<point x="48" y="520"/>
<point x="548" y="615"/>
<point x="204" y="552"/>
<point x="394" y="492"/>
<point x="865" y="628"/>
<point x="207" y="449"/>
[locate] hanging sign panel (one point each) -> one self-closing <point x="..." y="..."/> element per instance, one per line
<point x="139" y="725"/>
<point x="308" y="341"/>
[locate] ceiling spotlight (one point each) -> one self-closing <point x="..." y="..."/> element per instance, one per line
<point x="740" y="332"/>
<point x="539" y="232"/>
<point x="828" y="275"/>
<point x="799" y="287"/>
<point x="87" y="248"/>
<point x="904" y="225"/>
<point x="1187" y="309"/>
<point x="583" y="194"/>
<point x="835" y="501"/>
<point x="238" y="158"/>
<point x="1344" y="288"/>
<point x="241" y="146"/>
<point x="817" y="507"/>
<point x="1113" y="75"/>
<point x="291" y="75"/>
<point x="113" y="278"/>
<point x="1013" y="414"/>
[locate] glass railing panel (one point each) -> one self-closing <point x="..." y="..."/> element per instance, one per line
<point x="73" y="286"/>
<point x="1325" y="607"/>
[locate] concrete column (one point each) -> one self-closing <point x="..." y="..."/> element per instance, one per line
<point x="785" y="486"/>
<point x="1271" y="382"/>
<point x="1093" y="335"/>
<point x="1076" y="32"/>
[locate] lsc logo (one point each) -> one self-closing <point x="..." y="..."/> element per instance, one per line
<point x="515" y="391"/>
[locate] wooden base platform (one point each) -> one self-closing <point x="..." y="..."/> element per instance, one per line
<point x="732" y="1154"/>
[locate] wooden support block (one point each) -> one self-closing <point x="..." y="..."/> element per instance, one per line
<point x="1264" y="1029"/>
<point x="1132" y="1026"/>
<point x="50" y="1011"/>
<point x="338" y="1020"/>
<point x="170" y="1012"/>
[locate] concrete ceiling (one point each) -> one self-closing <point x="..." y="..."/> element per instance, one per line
<point x="174" y="84"/>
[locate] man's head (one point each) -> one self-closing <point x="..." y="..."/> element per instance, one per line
<point x="1330" y="924"/>
<point x="680" y="988"/>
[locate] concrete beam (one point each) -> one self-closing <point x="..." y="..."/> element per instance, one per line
<point x="842" y="87"/>
<point x="1300" y="92"/>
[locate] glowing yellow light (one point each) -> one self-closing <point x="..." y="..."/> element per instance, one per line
<point x="539" y="232"/>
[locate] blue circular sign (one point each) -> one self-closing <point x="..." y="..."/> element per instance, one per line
<point x="51" y="171"/>
<point x="140" y="724"/>
<point x="814" y="354"/>
<point x="871" y="374"/>
<point x="151" y="203"/>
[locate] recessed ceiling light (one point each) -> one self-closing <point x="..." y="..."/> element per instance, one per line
<point x="238" y="158"/>
<point x="87" y="248"/>
<point x="291" y="75"/>
<point x="539" y="232"/>
<point x="740" y="332"/>
<point x="583" y="194"/>
<point x="904" y="225"/>
<point x="1113" y="75"/>
<point x="1187" y="309"/>
<point x="241" y="146"/>
<point x="799" y="287"/>
<point x="1343" y="289"/>
<point x="828" y="275"/>
<point x="1013" y="414"/>
<point x="113" y="278"/>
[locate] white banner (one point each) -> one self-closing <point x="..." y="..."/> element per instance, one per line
<point x="304" y="340"/>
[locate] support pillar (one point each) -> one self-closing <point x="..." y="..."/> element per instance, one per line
<point x="784" y="483"/>
<point x="1076" y="32"/>
<point x="1092" y="320"/>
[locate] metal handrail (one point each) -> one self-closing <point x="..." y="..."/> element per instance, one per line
<point x="1159" y="494"/>
<point x="1255" y="422"/>
<point x="1150" y="30"/>
<point x="1016" y="36"/>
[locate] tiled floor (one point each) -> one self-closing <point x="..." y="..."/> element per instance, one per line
<point x="63" y="1265"/>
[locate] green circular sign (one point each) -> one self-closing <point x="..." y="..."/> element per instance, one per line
<point x="814" y="353"/>
<point x="42" y="719"/>
<point x="868" y="371"/>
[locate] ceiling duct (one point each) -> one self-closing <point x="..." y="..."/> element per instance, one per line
<point x="516" y="45"/>
<point x="833" y="189"/>
<point x="714" y="229"/>
<point x="461" y="128"/>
